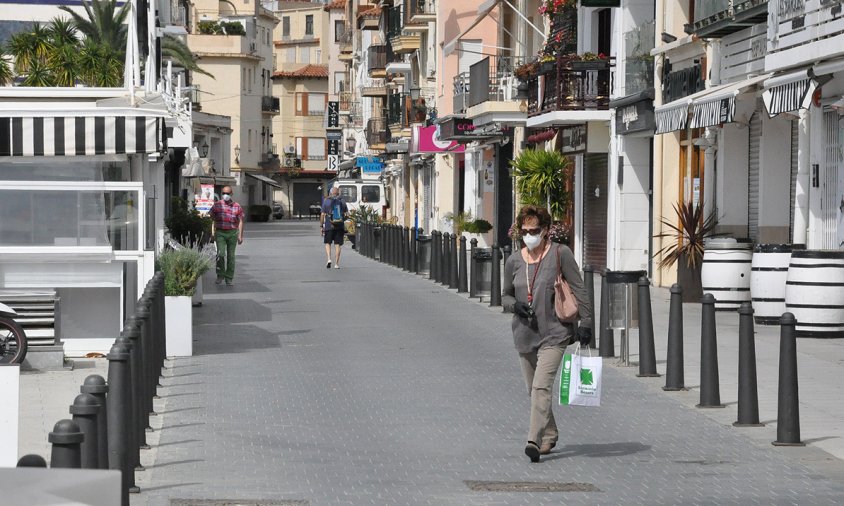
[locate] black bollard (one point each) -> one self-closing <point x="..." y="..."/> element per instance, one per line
<point x="85" y="410"/>
<point x="119" y="408"/>
<point x="788" y="406"/>
<point x="453" y="272"/>
<point x="445" y="259"/>
<point x="96" y="386"/>
<point x="606" y="342"/>
<point x="407" y="239"/>
<point x="710" y="391"/>
<point x="135" y="428"/>
<point x="495" y="283"/>
<point x="149" y="374"/>
<point x="66" y="439"/>
<point x="462" y="281"/>
<point x="748" y="400"/>
<point x="647" y="354"/>
<point x="674" y="379"/>
<point x="32" y="460"/>
<point x="589" y="281"/>
<point x="435" y="256"/>
<point x="473" y="269"/>
<point x="414" y="260"/>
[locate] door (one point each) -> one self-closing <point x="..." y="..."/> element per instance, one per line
<point x="595" y="193"/>
<point x="504" y="192"/>
<point x="305" y="195"/>
<point x="793" y="185"/>
<point x="755" y="139"/>
<point x="831" y="200"/>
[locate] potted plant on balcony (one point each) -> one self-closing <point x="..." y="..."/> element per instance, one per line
<point x="541" y="180"/>
<point x="591" y="61"/>
<point x="547" y="64"/>
<point x="526" y="70"/>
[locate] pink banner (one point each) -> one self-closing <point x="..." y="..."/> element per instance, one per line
<point x="428" y="142"/>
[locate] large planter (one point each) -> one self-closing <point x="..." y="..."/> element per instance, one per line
<point x="814" y="292"/>
<point x="196" y="300"/>
<point x="768" y="275"/>
<point x="9" y="414"/>
<point x="689" y="280"/>
<point x="725" y="272"/>
<point x="547" y="67"/>
<point x="178" y="326"/>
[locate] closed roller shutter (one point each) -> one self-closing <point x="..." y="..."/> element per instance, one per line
<point x="794" y="134"/>
<point x="595" y="210"/>
<point x="753" y="176"/>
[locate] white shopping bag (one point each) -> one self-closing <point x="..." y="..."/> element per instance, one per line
<point x="580" y="379"/>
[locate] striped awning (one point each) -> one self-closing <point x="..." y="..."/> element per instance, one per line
<point x="718" y="105"/>
<point x="671" y="117"/>
<point x="789" y="92"/>
<point x="80" y="135"/>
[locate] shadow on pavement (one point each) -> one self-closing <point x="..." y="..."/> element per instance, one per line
<point x="210" y="339"/>
<point x="598" y="450"/>
<point x="217" y="311"/>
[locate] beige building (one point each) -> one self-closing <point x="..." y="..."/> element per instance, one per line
<point x="234" y="42"/>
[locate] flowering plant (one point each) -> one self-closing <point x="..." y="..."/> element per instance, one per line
<point x="560" y="232"/>
<point x="593" y="57"/>
<point x="551" y="7"/>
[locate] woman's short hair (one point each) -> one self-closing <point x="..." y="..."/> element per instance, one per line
<point x="540" y="213"/>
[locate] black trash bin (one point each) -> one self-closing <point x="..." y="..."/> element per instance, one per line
<point x="423" y="254"/>
<point x="482" y="265"/>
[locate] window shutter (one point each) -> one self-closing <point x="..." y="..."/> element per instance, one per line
<point x="305" y="154"/>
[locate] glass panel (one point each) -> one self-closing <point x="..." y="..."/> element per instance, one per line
<point x="639" y="64"/>
<point x="349" y="193"/>
<point x="370" y="193"/>
<point x="69" y="218"/>
<point x="65" y="169"/>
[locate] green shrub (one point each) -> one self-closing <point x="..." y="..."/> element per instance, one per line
<point x="186" y="225"/>
<point x="232" y="28"/>
<point x="478" y="227"/>
<point x="182" y="267"/>
<point x="209" y="28"/>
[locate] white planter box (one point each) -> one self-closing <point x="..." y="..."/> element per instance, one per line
<point x="9" y="414"/>
<point x="196" y="300"/>
<point x="179" y="326"/>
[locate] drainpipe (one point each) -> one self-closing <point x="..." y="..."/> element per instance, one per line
<point x="801" y="192"/>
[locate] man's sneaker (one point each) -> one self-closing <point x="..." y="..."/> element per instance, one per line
<point x="336" y="266"/>
<point x="328" y="264"/>
<point x="229" y="282"/>
<point x="219" y="280"/>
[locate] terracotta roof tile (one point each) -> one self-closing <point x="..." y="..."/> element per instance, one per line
<point x="372" y="12"/>
<point x="335" y="5"/>
<point x="307" y="71"/>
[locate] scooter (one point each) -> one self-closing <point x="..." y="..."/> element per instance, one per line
<point x="12" y="337"/>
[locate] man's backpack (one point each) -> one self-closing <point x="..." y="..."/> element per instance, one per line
<point x="337" y="217"/>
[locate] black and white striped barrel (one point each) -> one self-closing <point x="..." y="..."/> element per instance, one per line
<point x="768" y="273"/>
<point x="725" y="273"/>
<point x="814" y="292"/>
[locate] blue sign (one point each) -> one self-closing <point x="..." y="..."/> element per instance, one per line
<point x="369" y="165"/>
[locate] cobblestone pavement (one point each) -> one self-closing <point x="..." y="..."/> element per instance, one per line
<point x="368" y="385"/>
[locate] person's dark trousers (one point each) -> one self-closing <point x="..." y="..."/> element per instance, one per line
<point x="226" y="244"/>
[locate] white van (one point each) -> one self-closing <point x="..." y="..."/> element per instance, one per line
<point x="358" y="192"/>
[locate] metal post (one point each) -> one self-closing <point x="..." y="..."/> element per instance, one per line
<point x="473" y="269"/>
<point x="453" y="273"/>
<point x="674" y="378"/>
<point x="414" y="260"/>
<point x="647" y="354"/>
<point x="589" y="281"/>
<point x="135" y="427"/>
<point x="606" y="342"/>
<point x="85" y="410"/>
<point x="788" y="405"/>
<point x="710" y="393"/>
<point x="434" y="256"/>
<point x="32" y="460"/>
<point x="748" y="400"/>
<point x="96" y="386"/>
<point x="119" y="410"/>
<point x="445" y="259"/>
<point x="462" y="281"/>
<point x="66" y="439"/>
<point x="495" y="283"/>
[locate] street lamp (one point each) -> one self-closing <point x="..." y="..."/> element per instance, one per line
<point x="237" y="154"/>
<point x="204" y="150"/>
<point x="414" y="93"/>
<point x="351" y="144"/>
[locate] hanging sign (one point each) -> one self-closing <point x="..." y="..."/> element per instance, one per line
<point x="205" y="199"/>
<point x="574" y="139"/>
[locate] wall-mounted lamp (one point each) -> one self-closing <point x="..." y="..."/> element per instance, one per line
<point x="237" y="154"/>
<point x="414" y="93"/>
<point x="203" y="151"/>
<point x="668" y="38"/>
<point x="351" y="144"/>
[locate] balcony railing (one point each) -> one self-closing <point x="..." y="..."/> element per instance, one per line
<point x="717" y="18"/>
<point x="394" y="23"/>
<point x="345" y="99"/>
<point x="377" y="58"/>
<point x="421" y="10"/>
<point x="639" y="64"/>
<point x="398" y="110"/>
<point x="376" y="131"/>
<point x="178" y="13"/>
<point x="570" y="86"/>
<point x="492" y="79"/>
<point x="195" y="98"/>
<point x="462" y="86"/>
<point x="270" y="104"/>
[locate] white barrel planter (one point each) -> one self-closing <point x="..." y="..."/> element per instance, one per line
<point x="725" y="272"/>
<point x="814" y="292"/>
<point x="768" y="273"/>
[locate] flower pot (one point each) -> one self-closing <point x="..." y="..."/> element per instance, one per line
<point x="547" y="67"/>
<point x="689" y="281"/>
<point x="178" y="322"/>
<point x="589" y="65"/>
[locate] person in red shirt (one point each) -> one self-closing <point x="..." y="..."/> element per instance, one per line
<point x="227" y="231"/>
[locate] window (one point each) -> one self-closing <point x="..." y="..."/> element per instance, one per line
<point x="290" y="55"/>
<point x="304" y="55"/>
<point x="339" y="29"/>
<point x="370" y="193"/>
<point x="285" y="27"/>
<point x="309" y="25"/>
<point x="310" y="148"/>
<point x="249" y="141"/>
<point x="339" y="82"/>
<point x="349" y="193"/>
<point x="317" y="103"/>
<point x="318" y="55"/>
<point x="243" y="80"/>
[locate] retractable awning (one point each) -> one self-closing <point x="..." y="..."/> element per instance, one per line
<point x="789" y="92"/>
<point x="719" y="105"/>
<point x="483" y="11"/>
<point x="672" y="116"/>
<point x="263" y="179"/>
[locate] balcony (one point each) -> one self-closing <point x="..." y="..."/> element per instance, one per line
<point x="376" y="133"/>
<point x="376" y="88"/>
<point x="345" y="99"/>
<point x="717" y="18"/>
<point x="639" y="64"/>
<point x="222" y="46"/>
<point x="421" y="12"/>
<point x="377" y="61"/>
<point x="461" y="93"/>
<point x="570" y="85"/>
<point x="195" y="98"/>
<point x="270" y="104"/>
<point x="346" y="45"/>
<point x="406" y="43"/>
<point x="398" y="111"/>
<point x="492" y="92"/>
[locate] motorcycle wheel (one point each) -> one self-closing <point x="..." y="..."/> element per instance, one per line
<point x="12" y="342"/>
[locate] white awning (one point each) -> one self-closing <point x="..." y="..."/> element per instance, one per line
<point x="789" y="92"/>
<point x="483" y="10"/>
<point x="672" y="116"/>
<point x="263" y="179"/>
<point x="719" y="105"/>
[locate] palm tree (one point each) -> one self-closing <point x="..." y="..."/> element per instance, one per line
<point x="541" y="179"/>
<point x="180" y="53"/>
<point x="103" y="24"/>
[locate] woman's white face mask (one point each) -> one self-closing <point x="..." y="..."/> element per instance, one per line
<point x="532" y="240"/>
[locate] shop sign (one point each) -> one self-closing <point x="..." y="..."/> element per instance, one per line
<point x="333" y="146"/>
<point x="681" y="83"/>
<point x="574" y="139"/>
<point x="370" y="164"/>
<point x="636" y="117"/>
<point x="456" y="128"/>
<point x="427" y="140"/>
<point x="333" y="114"/>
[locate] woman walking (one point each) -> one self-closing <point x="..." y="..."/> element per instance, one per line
<point x="540" y="337"/>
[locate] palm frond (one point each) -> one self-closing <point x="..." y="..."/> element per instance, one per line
<point x="180" y="53"/>
<point x="689" y="233"/>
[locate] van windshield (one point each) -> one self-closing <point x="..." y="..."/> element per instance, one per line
<point x="349" y="193"/>
<point x="370" y="193"/>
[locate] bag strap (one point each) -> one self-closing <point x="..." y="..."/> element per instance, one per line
<point x="559" y="263"/>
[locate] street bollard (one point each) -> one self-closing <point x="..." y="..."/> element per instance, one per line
<point x="473" y="270"/>
<point x="32" y="460"/>
<point x="85" y="409"/>
<point x="149" y="374"/>
<point x="589" y="281"/>
<point x="674" y="376"/>
<point x="495" y="284"/>
<point x="159" y="328"/>
<point x="119" y="410"/>
<point x="453" y="271"/>
<point x="96" y="386"/>
<point x="397" y="249"/>
<point x="710" y="392"/>
<point x="462" y="281"/>
<point x="388" y="238"/>
<point x="66" y="439"/>
<point x="788" y="405"/>
<point x="647" y="354"/>
<point x="445" y="259"/>
<point x="606" y="342"/>
<point x="414" y="261"/>
<point x="382" y="244"/>
<point x="135" y="428"/>
<point x="400" y="246"/>
<point x="435" y="256"/>
<point x="748" y="399"/>
<point x="408" y="241"/>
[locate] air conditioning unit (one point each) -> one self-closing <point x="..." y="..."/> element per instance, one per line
<point x="253" y="47"/>
<point x="289" y="162"/>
